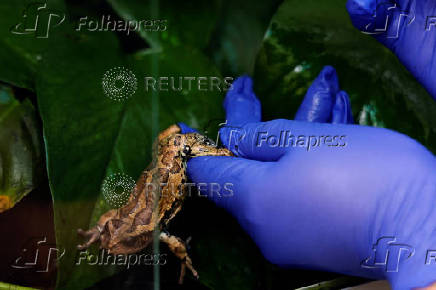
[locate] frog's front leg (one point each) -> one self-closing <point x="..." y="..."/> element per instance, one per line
<point x="178" y="247"/>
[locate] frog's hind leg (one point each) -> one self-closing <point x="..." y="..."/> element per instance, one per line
<point x="178" y="247"/>
<point x="93" y="235"/>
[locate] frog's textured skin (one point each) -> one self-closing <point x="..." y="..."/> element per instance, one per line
<point x="129" y="229"/>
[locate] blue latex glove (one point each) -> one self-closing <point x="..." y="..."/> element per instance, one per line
<point x="325" y="208"/>
<point x="410" y="32"/>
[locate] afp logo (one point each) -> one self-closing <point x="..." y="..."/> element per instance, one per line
<point x="388" y="19"/>
<point x="387" y="254"/>
<point x="38" y="20"/>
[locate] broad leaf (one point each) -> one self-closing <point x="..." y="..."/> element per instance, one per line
<point x="21" y="156"/>
<point x="231" y="32"/>
<point x="21" y="48"/>
<point x="188" y="23"/>
<point x="239" y="33"/>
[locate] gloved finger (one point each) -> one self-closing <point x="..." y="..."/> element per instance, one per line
<point x="225" y="180"/>
<point x="241" y="104"/>
<point x="341" y="113"/>
<point x="320" y="97"/>
<point x="185" y="128"/>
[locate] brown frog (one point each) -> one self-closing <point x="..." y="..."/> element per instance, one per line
<point x="157" y="197"/>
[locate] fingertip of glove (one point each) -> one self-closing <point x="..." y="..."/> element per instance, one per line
<point x="342" y="109"/>
<point x="242" y="88"/>
<point x="361" y="7"/>
<point x="320" y="97"/>
<point x="185" y="129"/>
<point x="241" y="104"/>
<point x="330" y="78"/>
<point x="361" y="11"/>
<point x="239" y="84"/>
<point x="328" y="71"/>
<point x="248" y="85"/>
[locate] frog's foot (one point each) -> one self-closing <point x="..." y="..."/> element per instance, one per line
<point x="178" y="247"/>
<point x="91" y="236"/>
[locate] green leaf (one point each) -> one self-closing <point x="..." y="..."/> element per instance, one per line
<point x="182" y="23"/>
<point x="231" y="32"/>
<point x="305" y="36"/>
<point x="21" y="156"/>
<point x="239" y="33"/>
<point x="21" y="51"/>
<point x="7" y="286"/>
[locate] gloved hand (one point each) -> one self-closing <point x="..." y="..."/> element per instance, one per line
<point x="407" y="28"/>
<point x="326" y="206"/>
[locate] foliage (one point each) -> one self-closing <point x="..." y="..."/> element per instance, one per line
<point x="21" y="157"/>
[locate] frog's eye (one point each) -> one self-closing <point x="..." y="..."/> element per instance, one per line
<point x="186" y="149"/>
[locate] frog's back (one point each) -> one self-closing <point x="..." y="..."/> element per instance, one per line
<point x="171" y="175"/>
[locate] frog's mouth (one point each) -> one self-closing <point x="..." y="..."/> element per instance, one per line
<point x="191" y="154"/>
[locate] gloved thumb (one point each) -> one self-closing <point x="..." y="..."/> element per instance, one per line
<point x="227" y="181"/>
